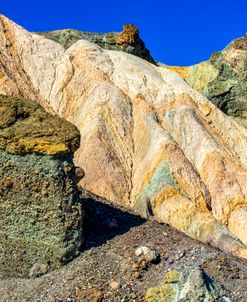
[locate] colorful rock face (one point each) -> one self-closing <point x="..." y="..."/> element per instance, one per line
<point x="40" y="206"/>
<point x="191" y="285"/>
<point x="150" y="142"/>
<point x="223" y="79"/>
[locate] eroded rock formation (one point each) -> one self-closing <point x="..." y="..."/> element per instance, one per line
<point x="223" y="79"/>
<point x="150" y="141"/>
<point x="40" y="206"/>
<point x="128" y="40"/>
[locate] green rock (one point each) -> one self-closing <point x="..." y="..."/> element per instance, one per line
<point x="40" y="205"/>
<point x="191" y="285"/>
<point x="222" y="79"/>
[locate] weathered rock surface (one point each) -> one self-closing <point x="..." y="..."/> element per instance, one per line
<point x="128" y="40"/>
<point x="40" y="208"/>
<point x="191" y="285"/>
<point x="150" y="142"/>
<point x="223" y="78"/>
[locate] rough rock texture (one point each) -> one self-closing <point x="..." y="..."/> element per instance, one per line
<point x="223" y="78"/>
<point x="109" y="255"/>
<point x="128" y="40"/>
<point x="40" y="208"/>
<point x="26" y="128"/>
<point x="150" y="142"/>
<point x="191" y="285"/>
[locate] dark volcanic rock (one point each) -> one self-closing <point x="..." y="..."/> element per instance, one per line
<point x="40" y="206"/>
<point x="128" y="40"/>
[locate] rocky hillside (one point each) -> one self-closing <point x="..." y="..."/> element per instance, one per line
<point x="41" y="211"/>
<point x="150" y="142"/>
<point x="128" y="40"/>
<point x="223" y="79"/>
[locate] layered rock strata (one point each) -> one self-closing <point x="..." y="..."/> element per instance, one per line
<point x="40" y="206"/>
<point x="150" y="141"/>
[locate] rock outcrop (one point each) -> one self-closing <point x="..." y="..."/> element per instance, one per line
<point x="150" y="141"/>
<point x="223" y="79"/>
<point x="128" y="40"/>
<point x="191" y="285"/>
<point x="40" y="206"/>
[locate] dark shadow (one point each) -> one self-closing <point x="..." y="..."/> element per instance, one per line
<point x="208" y="281"/>
<point x="102" y="222"/>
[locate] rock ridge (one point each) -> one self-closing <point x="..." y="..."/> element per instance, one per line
<point x="222" y="79"/>
<point x="128" y="40"/>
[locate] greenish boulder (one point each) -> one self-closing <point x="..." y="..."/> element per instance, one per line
<point x="191" y="285"/>
<point x="40" y="205"/>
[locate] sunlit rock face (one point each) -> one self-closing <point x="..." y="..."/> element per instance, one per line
<point x="223" y="79"/>
<point x="150" y="141"/>
<point x="128" y="40"/>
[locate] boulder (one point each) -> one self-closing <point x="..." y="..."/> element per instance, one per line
<point x="40" y="205"/>
<point x="191" y="285"/>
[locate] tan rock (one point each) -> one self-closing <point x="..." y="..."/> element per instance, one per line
<point x="114" y="285"/>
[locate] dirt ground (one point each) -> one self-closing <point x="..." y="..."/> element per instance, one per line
<point x="106" y="269"/>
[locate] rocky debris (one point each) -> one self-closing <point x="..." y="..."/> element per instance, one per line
<point x="37" y="270"/>
<point x="88" y="295"/>
<point x="223" y="78"/>
<point x="191" y="285"/>
<point x="128" y="40"/>
<point x="41" y="210"/>
<point x="151" y="142"/>
<point x="105" y="257"/>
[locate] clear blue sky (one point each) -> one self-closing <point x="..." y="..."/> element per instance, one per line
<point x="176" y="32"/>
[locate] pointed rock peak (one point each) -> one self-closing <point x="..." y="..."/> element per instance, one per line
<point x="129" y="35"/>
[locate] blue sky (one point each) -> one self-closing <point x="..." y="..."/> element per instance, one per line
<point x="176" y="32"/>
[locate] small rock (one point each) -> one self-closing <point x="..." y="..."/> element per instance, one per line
<point x="37" y="270"/>
<point x="79" y="172"/>
<point x="137" y="275"/>
<point x="149" y="255"/>
<point x="179" y="255"/>
<point x="89" y="295"/>
<point x="114" y="285"/>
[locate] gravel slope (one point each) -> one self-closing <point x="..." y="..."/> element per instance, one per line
<point x="112" y="235"/>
